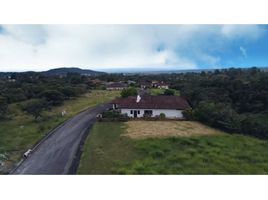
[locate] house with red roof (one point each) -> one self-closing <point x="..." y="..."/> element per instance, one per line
<point x="151" y="106"/>
<point x="116" y="86"/>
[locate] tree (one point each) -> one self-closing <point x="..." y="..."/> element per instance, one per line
<point x="35" y="107"/>
<point x="3" y="107"/>
<point x="15" y="95"/>
<point x="169" y="92"/>
<point x="129" y="92"/>
<point x="53" y="97"/>
<point x="68" y="91"/>
<point x="203" y="73"/>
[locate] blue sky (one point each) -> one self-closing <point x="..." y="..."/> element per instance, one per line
<point x="161" y="47"/>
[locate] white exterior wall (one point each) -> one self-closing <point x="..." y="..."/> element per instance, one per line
<point x="168" y="112"/>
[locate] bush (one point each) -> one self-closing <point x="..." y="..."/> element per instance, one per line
<point x="53" y="97"/>
<point x="169" y="92"/>
<point x="162" y="116"/>
<point x="15" y="95"/>
<point x="111" y="114"/>
<point x="251" y="127"/>
<point x="34" y="107"/>
<point x="189" y="114"/>
<point x="68" y="91"/>
<point x="129" y="92"/>
<point x="217" y="115"/>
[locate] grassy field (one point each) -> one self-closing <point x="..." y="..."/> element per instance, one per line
<point x="21" y="132"/>
<point x="144" y="129"/>
<point x="108" y="151"/>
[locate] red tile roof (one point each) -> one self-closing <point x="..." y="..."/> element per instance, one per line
<point x="153" y="102"/>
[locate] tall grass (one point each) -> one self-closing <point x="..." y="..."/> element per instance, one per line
<point x="107" y="151"/>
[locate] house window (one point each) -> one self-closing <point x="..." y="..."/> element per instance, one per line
<point x="138" y="112"/>
<point x="148" y="113"/>
<point x="131" y="111"/>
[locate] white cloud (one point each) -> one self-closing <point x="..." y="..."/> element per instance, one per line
<point x="244" y="31"/>
<point x="243" y="52"/>
<point x="39" y="47"/>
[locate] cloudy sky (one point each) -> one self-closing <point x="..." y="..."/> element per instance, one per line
<point x="42" y="47"/>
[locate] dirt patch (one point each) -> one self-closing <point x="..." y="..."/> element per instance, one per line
<point x="145" y="129"/>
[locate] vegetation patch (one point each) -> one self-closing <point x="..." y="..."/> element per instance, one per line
<point x="21" y="131"/>
<point x="107" y="152"/>
<point x="105" y="148"/>
<point x="146" y="129"/>
<point x="159" y="91"/>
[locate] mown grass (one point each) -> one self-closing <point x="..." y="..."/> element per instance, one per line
<point x="140" y="129"/>
<point x="20" y="132"/>
<point x="106" y="151"/>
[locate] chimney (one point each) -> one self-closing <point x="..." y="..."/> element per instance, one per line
<point x="138" y="99"/>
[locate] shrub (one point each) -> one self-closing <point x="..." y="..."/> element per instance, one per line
<point x="34" y="107"/>
<point x="189" y="114"/>
<point x="251" y="127"/>
<point x="129" y="92"/>
<point x="111" y="114"/>
<point x="162" y="116"/>
<point x="53" y="97"/>
<point x="15" y="95"/>
<point x="169" y="92"/>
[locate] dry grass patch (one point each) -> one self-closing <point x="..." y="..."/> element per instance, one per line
<point x="145" y="129"/>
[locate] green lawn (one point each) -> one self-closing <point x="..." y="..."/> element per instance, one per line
<point x="106" y="151"/>
<point x="21" y="132"/>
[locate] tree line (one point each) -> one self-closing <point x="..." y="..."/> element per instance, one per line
<point x="38" y="92"/>
<point x="235" y="100"/>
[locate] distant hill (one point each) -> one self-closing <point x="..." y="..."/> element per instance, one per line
<point x="169" y="71"/>
<point x="60" y="71"/>
<point x="65" y="70"/>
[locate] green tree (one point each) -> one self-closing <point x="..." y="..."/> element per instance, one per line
<point x="3" y="107"/>
<point x="169" y="92"/>
<point x="35" y="107"/>
<point x="129" y="92"/>
<point x="53" y="97"/>
<point x="189" y="114"/>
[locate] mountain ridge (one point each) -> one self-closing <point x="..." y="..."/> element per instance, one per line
<point x="60" y="71"/>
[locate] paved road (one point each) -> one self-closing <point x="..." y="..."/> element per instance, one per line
<point x="57" y="153"/>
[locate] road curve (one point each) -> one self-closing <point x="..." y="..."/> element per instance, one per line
<point x="56" y="154"/>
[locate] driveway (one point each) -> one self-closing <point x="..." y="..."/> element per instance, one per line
<point x="57" y="154"/>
